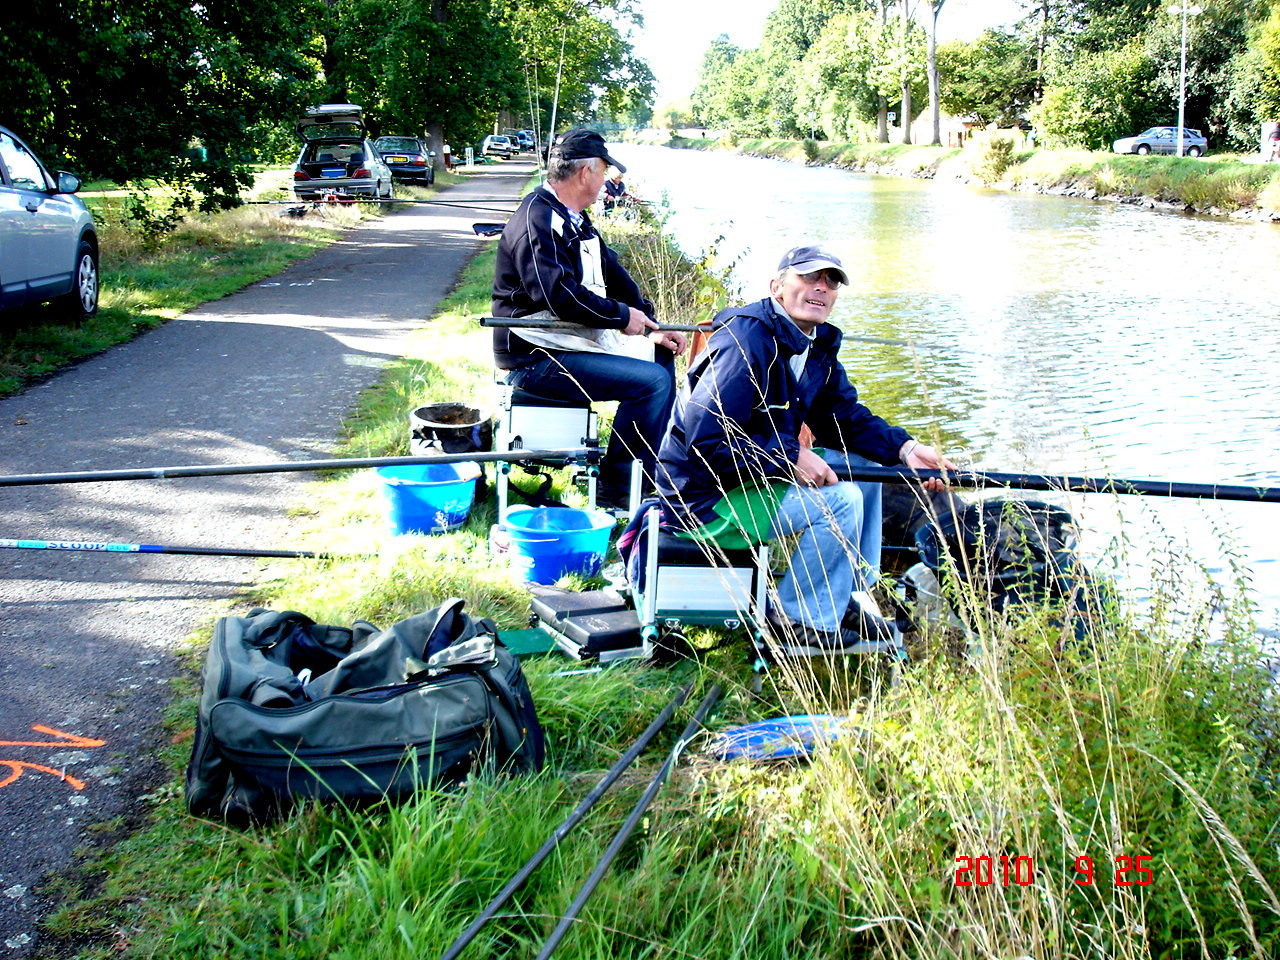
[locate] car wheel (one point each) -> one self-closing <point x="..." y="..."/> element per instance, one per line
<point x="1143" y="149"/>
<point x="1193" y="151"/>
<point x="431" y="176"/>
<point x="391" y="190"/>
<point x="82" y="301"/>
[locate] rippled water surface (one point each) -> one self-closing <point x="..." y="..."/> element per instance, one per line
<point x="1057" y="335"/>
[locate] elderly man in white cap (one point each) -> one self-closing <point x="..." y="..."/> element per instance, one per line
<point x="732" y="464"/>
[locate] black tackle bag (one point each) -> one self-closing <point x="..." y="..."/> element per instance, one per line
<point x="291" y="710"/>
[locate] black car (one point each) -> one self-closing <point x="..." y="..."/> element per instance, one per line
<point x="48" y="241"/>
<point x="408" y="158"/>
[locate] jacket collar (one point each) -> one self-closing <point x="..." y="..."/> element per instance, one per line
<point x="786" y="333"/>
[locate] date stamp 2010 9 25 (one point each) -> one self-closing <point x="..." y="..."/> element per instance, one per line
<point x="1021" y="871"/>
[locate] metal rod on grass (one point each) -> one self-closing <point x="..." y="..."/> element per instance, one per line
<point x="157" y="548"/>
<point x="1028" y="481"/>
<point x="625" y="830"/>
<point x="677" y="327"/>
<point x="297" y="466"/>
<point x="571" y="821"/>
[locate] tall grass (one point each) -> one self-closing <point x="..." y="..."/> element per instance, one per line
<point x="1136" y="738"/>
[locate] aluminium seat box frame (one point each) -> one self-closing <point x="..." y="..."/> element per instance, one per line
<point x="528" y="421"/>
<point x="691" y="584"/>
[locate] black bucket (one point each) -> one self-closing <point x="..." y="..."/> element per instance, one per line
<point x="1009" y="549"/>
<point x="449" y="428"/>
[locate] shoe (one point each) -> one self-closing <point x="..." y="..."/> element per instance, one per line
<point x="862" y="619"/>
<point x="613" y="501"/>
<point x="796" y="639"/>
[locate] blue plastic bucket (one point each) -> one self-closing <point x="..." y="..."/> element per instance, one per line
<point x="429" y="497"/>
<point x="548" y="543"/>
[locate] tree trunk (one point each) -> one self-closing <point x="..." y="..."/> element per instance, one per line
<point x="935" y="108"/>
<point x="906" y="78"/>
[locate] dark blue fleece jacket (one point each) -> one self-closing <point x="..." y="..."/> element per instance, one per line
<point x="739" y="416"/>
<point x="540" y="268"/>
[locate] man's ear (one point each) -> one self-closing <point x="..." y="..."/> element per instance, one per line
<point x="773" y="286"/>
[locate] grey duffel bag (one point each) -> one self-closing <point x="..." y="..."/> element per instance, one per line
<point x="292" y="710"/>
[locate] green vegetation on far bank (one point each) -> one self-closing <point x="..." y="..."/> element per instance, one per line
<point x="1143" y="741"/>
<point x="1221" y="184"/>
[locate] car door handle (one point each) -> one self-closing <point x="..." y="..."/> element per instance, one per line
<point x="32" y="205"/>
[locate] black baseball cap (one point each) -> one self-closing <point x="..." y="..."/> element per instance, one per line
<point x="579" y="143"/>
<point x="812" y="259"/>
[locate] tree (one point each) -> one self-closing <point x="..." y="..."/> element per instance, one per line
<point x="993" y="79"/>
<point x="709" y="94"/>
<point x="1100" y="97"/>
<point x="124" y="89"/>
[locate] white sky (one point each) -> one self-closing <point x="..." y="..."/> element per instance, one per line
<point x="677" y="32"/>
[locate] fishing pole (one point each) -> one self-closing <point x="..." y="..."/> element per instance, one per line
<point x="590" y="454"/>
<point x="571" y="821"/>
<point x="1029" y="481"/>
<point x="706" y="327"/>
<point x="157" y="548"/>
<point x="625" y="830"/>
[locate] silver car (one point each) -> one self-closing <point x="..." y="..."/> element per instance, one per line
<point x="336" y="160"/>
<point x="48" y="241"/>
<point x="1163" y="140"/>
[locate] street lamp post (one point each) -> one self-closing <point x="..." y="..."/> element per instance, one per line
<point x="1184" y="10"/>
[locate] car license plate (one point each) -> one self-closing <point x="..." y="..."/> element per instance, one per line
<point x="333" y="173"/>
<point x="397" y="159"/>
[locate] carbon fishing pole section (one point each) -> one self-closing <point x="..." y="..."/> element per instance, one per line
<point x="566" y="827"/>
<point x="642" y="805"/>
<point x="588" y="454"/>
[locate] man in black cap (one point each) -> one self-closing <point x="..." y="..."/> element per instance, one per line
<point x="553" y="265"/>
<point x="732" y="466"/>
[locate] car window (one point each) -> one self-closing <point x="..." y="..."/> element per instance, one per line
<point x="24" y="170"/>
<point x="402" y="144"/>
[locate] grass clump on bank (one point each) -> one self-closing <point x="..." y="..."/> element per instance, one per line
<point x="1143" y="742"/>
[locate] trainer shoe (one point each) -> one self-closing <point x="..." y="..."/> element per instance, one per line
<point x="796" y="639"/>
<point x="862" y="617"/>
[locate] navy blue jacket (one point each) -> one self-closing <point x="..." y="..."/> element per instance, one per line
<point x="739" y="416"/>
<point x="540" y="268"/>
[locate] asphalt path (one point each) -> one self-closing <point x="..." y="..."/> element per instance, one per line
<point x="87" y="640"/>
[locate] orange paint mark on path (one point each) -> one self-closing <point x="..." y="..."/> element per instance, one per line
<point x="17" y="766"/>
<point x="63" y="740"/>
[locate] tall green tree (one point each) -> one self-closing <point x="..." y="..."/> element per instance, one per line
<point x="124" y="89"/>
<point x="710" y="92"/>
<point x="992" y="79"/>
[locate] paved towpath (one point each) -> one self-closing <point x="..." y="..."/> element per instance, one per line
<point x="86" y="639"/>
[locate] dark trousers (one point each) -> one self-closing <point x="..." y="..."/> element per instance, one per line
<point x="645" y="391"/>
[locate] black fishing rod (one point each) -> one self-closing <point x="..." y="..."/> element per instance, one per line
<point x="571" y="821"/>
<point x="157" y="548"/>
<point x="298" y="466"/>
<point x="1029" y="481"/>
<point x="625" y="830"/>
<point x="539" y="324"/>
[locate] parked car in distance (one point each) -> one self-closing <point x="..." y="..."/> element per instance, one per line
<point x="408" y="159"/>
<point x="336" y="158"/>
<point x="1163" y="140"/>
<point x="48" y="240"/>
<point x="497" y="145"/>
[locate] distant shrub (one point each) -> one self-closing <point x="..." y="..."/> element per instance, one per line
<point x="992" y="155"/>
<point x="811" y="151"/>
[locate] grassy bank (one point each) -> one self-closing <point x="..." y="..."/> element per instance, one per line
<point x="1065" y="758"/>
<point x="149" y="278"/>
<point x="1221" y="184"/>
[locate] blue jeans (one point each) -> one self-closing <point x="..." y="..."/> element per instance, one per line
<point x="645" y="390"/>
<point x="839" y="550"/>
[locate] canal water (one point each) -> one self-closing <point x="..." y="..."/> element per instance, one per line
<point x="1057" y="336"/>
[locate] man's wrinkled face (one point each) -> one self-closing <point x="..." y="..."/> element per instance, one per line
<point x="807" y="297"/>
